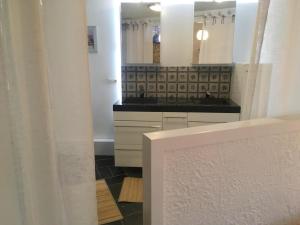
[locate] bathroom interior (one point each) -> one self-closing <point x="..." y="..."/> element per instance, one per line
<point x="177" y="66"/>
<point x="148" y="112"/>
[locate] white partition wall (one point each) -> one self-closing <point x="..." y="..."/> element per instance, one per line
<point x="237" y="173"/>
<point x="177" y="21"/>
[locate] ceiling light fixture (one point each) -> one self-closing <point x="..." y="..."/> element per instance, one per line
<point x="155" y="7"/>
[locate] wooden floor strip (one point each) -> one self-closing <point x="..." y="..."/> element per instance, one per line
<point x="108" y="211"/>
<point x="132" y="190"/>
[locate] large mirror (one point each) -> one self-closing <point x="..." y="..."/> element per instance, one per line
<point x="140" y="33"/>
<point x="209" y="38"/>
<point x="213" y="32"/>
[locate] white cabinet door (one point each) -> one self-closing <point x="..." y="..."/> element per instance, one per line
<point x="174" y="120"/>
<point x="213" y="117"/>
<point x="129" y="134"/>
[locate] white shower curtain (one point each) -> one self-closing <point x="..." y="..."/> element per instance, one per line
<point x="272" y="87"/>
<point x="137" y="42"/>
<point x="219" y="45"/>
<point x="46" y="109"/>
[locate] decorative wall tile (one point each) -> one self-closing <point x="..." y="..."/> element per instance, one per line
<point x="215" y="68"/>
<point x="192" y="96"/>
<point x="182" y="68"/>
<point x="193" y="88"/>
<point x="141" y="76"/>
<point x="201" y="95"/>
<point x="204" y="68"/>
<point x="203" y="76"/>
<point x="131" y="86"/>
<point x="123" y="86"/>
<point x="222" y="95"/>
<point x="182" y="87"/>
<point x="213" y="77"/>
<point x="172" y="68"/>
<point x="131" y="76"/>
<point x="161" y="95"/>
<point x="203" y="87"/>
<point x="176" y="82"/>
<point x="213" y="87"/>
<point x="172" y="95"/>
<point x="226" y="68"/>
<point x="224" y="87"/>
<point x="151" y="68"/>
<point x="161" y="87"/>
<point x="193" y="69"/>
<point x="151" y="76"/>
<point x="172" y="87"/>
<point x="131" y="95"/>
<point x="225" y="77"/>
<point x="162" y="76"/>
<point x="215" y="95"/>
<point x="172" y="77"/>
<point x="141" y="87"/>
<point x="131" y="68"/>
<point x="193" y="76"/>
<point x="163" y="68"/>
<point x="182" y="95"/>
<point x="151" y="94"/>
<point x="182" y="76"/>
<point x="151" y="87"/>
<point x="141" y="68"/>
<point x="124" y="77"/>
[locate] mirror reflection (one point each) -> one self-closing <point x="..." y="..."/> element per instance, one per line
<point x="140" y="33"/>
<point x="213" y="32"/>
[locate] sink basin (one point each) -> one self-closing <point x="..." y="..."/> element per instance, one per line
<point x="140" y="101"/>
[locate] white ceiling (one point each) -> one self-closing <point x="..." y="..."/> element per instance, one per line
<point x="141" y="10"/>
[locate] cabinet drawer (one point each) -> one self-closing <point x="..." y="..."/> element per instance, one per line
<point x="128" y="158"/>
<point x="174" y="121"/>
<point x="213" y="117"/>
<point x="138" y="116"/>
<point x="129" y="134"/>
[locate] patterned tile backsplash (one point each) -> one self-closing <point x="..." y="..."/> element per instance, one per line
<point x="176" y="82"/>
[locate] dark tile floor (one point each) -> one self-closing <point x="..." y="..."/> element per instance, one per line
<point x="105" y="169"/>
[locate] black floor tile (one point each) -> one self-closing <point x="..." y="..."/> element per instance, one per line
<point x="133" y="172"/>
<point x="116" y="171"/>
<point x="104" y="172"/>
<point x="98" y="175"/>
<point x="127" y="209"/>
<point x="105" y="162"/>
<point x="115" y="190"/>
<point x="134" y="219"/>
<point x="114" y="180"/>
<point x="120" y="222"/>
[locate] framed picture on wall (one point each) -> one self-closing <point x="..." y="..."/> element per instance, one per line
<point x="92" y="39"/>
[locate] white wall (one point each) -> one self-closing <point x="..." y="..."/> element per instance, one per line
<point x="177" y="20"/>
<point x="245" y="172"/>
<point x="105" y="66"/>
<point x="245" y="22"/>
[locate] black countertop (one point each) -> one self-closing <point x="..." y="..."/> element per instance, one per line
<point x="215" y="105"/>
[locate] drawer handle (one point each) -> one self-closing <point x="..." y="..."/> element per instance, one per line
<point x="174" y="117"/>
<point x="139" y="126"/>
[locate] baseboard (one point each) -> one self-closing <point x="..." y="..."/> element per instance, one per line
<point x="104" y="146"/>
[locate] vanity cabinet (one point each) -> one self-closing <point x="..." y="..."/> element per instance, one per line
<point x="130" y="127"/>
<point x="204" y="119"/>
